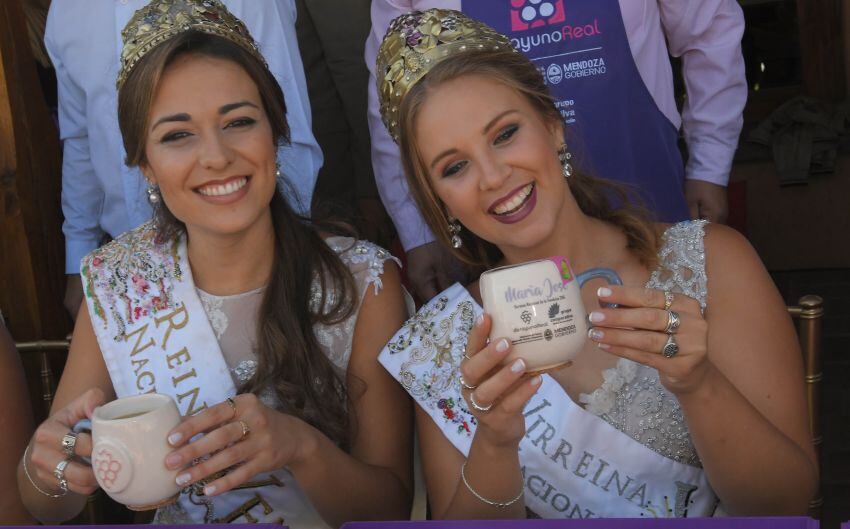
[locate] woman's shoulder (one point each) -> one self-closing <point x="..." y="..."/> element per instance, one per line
<point x="364" y="259"/>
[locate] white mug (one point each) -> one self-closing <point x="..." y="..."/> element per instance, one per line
<point x="129" y="446"/>
<point x="538" y="306"/>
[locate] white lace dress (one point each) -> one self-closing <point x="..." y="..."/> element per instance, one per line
<point x="631" y="397"/>
<point x="233" y="319"/>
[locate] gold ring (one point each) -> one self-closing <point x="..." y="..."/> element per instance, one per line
<point x="245" y="430"/>
<point x="230" y="402"/>
<point x="668" y="299"/>
<point x="465" y="385"/>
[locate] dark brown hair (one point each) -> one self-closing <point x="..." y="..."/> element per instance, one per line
<point x="593" y="195"/>
<point x="289" y="356"/>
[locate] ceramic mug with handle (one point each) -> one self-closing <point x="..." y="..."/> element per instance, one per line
<point x="538" y="306"/>
<point x="129" y="446"/>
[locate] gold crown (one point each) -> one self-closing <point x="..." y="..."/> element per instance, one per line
<point x="161" y="20"/>
<point x="418" y="41"/>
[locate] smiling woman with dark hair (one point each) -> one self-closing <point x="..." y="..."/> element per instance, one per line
<point x="263" y="328"/>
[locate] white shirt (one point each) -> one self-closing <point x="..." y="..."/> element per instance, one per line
<point x="99" y="192"/>
<point x="705" y="33"/>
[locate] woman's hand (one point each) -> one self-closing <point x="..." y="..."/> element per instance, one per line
<point x="496" y="394"/>
<point x="242" y="438"/>
<point x="46" y="451"/>
<point x="636" y="330"/>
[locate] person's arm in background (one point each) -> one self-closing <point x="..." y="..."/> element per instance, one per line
<point x="707" y="36"/>
<point x="82" y="196"/>
<point x="428" y="263"/>
<point x="17" y="424"/>
<point x="272" y="24"/>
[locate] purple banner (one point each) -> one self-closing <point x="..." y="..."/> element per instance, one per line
<point x="108" y="525"/>
<point x="610" y="523"/>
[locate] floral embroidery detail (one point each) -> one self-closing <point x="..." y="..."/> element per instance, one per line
<point x="212" y="307"/>
<point x="436" y="340"/>
<point x="131" y="277"/>
<point x="244" y="370"/>
<point x="682" y="257"/>
<point x="602" y="400"/>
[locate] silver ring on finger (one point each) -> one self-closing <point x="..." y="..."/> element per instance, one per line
<point x="465" y="385"/>
<point x="479" y="407"/>
<point x="668" y="299"/>
<point x="69" y="441"/>
<point x="671" y="348"/>
<point x="59" y="473"/>
<point x="673" y="322"/>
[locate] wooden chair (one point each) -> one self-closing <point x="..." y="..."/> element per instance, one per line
<point x="808" y="315"/>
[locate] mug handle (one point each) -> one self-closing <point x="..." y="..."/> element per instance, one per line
<point x="600" y="273"/>
<point x="83" y="425"/>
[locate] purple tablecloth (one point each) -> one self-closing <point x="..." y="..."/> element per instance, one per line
<point x="609" y="523"/>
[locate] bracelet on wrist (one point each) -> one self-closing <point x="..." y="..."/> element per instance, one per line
<point x="493" y="503"/>
<point x="63" y="486"/>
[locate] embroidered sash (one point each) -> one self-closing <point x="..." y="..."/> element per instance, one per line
<point x="155" y="337"/>
<point x="575" y="465"/>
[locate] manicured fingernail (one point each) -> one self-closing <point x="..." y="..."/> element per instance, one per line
<point x="603" y="346"/>
<point x="479" y="321"/>
<point x="518" y="366"/>
<point x="173" y="460"/>
<point x="502" y="346"/>
<point x="604" y="292"/>
<point x="596" y="316"/>
<point x="174" y="438"/>
<point x="209" y="490"/>
<point x="536" y="381"/>
<point x="182" y="479"/>
<point x="595" y="334"/>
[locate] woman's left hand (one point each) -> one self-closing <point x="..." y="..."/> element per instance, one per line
<point x="638" y="330"/>
<point x="242" y="436"/>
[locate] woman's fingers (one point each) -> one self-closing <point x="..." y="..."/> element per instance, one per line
<point x="477" y="338"/>
<point x="80" y="477"/>
<point x="80" y="408"/>
<point x="476" y="369"/>
<point x="236" y="477"/>
<point x="491" y="389"/>
<point x="513" y="402"/>
<point x="222" y="460"/>
<point x="642" y="318"/>
<point x="210" y="443"/>
<point x="690" y="342"/>
<point x="645" y="297"/>
<point x="206" y="421"/>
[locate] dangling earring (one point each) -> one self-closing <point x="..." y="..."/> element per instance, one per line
<point x="153" y="195"/>
<point x="564" y="157"/>
<point x="454" y="229"/>
<point x="277" y="171"/>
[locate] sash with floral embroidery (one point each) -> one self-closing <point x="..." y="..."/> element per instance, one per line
<point x="575" y="465"/>
<point x="155" y="337"/>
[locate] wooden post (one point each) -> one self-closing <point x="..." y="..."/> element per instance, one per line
<point x="822" y="48"/>
<point x="31" y="244"/>
<point x="809" y="316"/>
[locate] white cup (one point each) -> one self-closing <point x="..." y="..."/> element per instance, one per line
<point x="130" y="444"/>
<point x="538" y="306"/>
